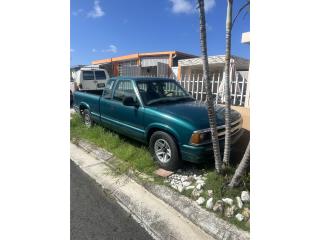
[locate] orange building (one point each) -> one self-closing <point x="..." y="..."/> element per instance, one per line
<point x="160" y="64"/>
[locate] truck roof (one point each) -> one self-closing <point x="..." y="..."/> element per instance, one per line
<point x="140" y="78"/>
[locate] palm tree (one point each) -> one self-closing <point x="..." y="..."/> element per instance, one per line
<point x="246" y="157"/>
<point x="226" y="154"/>
<point x="210" y="102"/>
<point x="246" y="7"/>
<point x="241" y="168"/>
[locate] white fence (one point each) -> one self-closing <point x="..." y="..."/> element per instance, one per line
<point x="239" y="87"/>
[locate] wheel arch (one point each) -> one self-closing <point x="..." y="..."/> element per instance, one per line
<point x="167" y="130"/>
<point x="83" y="106"/>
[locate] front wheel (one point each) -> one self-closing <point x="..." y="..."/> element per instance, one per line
<point x="164" y="150"/>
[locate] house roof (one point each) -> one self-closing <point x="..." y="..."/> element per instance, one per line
<point x="137" y="55"/>
<point x="217" y="60"/>
<point x="141" y="78"/>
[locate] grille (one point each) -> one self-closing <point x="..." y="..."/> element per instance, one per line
<point x="206" y="133"/>
<point x="235" y="127"/>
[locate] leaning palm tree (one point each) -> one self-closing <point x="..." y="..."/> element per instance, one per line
<point x="210" y="102"/>
<point x="241" y="168"/>
<point x="226" y="154"/>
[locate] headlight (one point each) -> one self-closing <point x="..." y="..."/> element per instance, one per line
<point x="200" y="137"/>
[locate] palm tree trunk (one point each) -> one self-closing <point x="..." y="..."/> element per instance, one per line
<point x="226" y="154"/>
<point x="241" y="168"/>
<point x="210" y="102"/>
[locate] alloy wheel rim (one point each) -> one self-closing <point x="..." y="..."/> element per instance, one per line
<point x="162" y="150"/>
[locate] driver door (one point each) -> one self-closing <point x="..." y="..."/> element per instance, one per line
<point x="127" y="120"/>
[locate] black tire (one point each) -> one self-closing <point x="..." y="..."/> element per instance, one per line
<point x="88" y="122"/>
<point x="168" y="158"/>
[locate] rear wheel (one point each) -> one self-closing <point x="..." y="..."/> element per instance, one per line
<point x="87" y="118"/>
<point x="164" y="150"/>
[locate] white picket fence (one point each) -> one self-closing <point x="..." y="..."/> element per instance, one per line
<point x="239" y="87"/>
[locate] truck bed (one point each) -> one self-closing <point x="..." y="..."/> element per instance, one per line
<point x="91" y="99"/>
<point x="95" y="92"/>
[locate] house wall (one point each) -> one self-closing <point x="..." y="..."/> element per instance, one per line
<point x="146" y="61"/>
<point x="153" y="60"/>
<point x="245" y="113"/>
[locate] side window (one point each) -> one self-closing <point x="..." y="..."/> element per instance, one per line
<point x="100" y="75"/>
<point x="124" y="89"/>
<point x="107" y="92"/>
<point x="88" y="75"/>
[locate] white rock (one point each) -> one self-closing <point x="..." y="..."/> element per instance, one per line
<point x="229" y="212"/>
<point x="209" y="203"/>
<point x="190" y="187"/>
<point x="246" y="213"/>
<point x="239" y="217"/>
<point x="228" y="201"/>
<point x="196" y="192"/>
<point x="199" y="181"/>
<point x="195" y="177"/>
<point x="245" y="197"/>
<point x="218" y="206"/>
<point x="200" y="200"/>
<point x="200" y="185"/>
<point x="174" y="186"/>
<point x="186" y="183"/>
<point x="180" y="188"/>
<point x="183" y="178"/>
<point x="210" y="193"/>
<point x="239" y="202"/>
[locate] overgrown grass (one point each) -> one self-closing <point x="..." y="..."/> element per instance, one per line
<point x="219" y="184"/>
<point x="134" y="154"/>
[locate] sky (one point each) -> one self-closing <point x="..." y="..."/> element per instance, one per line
<point x="110" y="28"/>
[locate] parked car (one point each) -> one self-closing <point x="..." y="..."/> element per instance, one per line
<point x="87" y="78"/>
<point x="157" y="112"/>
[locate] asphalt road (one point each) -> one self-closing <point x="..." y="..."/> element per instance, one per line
<point x="95" y="215"/>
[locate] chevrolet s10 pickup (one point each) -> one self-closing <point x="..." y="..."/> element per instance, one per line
<point x="157" y="112"/>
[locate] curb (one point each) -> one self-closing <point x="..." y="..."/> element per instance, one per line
<point x="159" y="219"/>
<point x="207" y="221"/>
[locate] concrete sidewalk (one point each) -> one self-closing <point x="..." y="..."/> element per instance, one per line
<point x="158" y="218"/>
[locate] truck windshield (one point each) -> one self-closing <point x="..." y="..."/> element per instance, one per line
<point x="161" y="91"/>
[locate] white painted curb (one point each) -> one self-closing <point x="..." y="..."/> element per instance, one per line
<point x="158" y="218"/>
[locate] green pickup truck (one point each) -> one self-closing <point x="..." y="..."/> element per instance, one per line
<point x="157" y="112"/>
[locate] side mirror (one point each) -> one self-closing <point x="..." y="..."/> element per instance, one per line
<point x="128" y="101"/>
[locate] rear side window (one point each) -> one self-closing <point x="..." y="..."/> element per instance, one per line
<point x="100" y="75"/>
<point x="124" y="89"/>
<point x="88" y="75"/>
<point x="108" y="89"/>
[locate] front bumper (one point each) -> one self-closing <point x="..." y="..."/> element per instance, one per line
<point x="203" y="153"/>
